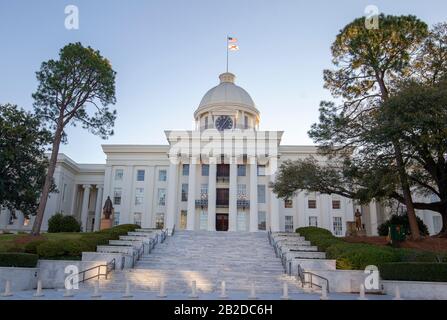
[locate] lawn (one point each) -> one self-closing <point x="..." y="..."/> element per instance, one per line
<point x="14" y="242"/>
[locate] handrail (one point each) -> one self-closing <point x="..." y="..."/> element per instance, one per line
<point x="109" y="267"/>
<point x="301" y="274"/>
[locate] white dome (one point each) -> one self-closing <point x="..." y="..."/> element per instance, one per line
<point x="227" y="94"/>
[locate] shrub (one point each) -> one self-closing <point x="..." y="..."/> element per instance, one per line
<point x="414" y="271"/>
<point x="31" y="247"/>
<point x="21" y="260"/>
<point x="60" y="223"/>
<point x="51" y="249"/>
<point x="403" y="221"/>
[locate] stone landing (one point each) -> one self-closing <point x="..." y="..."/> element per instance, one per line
<point x="208" y="258"/>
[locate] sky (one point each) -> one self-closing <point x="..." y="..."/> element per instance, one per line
<point x="168" y="54"/>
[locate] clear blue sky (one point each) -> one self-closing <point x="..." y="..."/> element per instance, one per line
<point x="169" y="53"/>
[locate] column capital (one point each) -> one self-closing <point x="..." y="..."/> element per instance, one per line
<point x="99" y="186"/>
<point x="194" y="160"/>
<point x="87" y="186"/>
<point x="212" y="160"/>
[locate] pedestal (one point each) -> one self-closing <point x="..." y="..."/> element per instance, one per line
<point x="105" y="224"/>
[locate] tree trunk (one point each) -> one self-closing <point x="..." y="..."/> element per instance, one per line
<point x="411" y="213"/>
<point x="48" y="182"/>
<point x="414" y="227"/>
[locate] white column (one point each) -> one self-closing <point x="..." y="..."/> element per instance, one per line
<point x="171" y="208"/>
<point x="20" y="219"/>
<point x="84" y="212"/>
<point x="212" y="195"/>
<point x="232" y="217"/>
<point x="253" y="194"/>
<point x="373" y="217"/>
<point x="274" y="201"/>
<point x="99" y="198"/>
<point x="191" y="216"/>
<point x="4" y="217"/>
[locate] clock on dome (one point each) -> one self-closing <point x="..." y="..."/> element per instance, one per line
<point x="224" y="123"/>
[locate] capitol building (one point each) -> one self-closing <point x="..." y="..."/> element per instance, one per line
<point x="215" y="178"/>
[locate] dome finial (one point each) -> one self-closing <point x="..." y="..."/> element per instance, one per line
<point x="227" y="77"/>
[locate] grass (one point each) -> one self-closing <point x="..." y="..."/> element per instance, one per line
<point x="9" y="242"/>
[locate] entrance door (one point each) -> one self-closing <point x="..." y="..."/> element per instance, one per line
<point x="222" y="222"/>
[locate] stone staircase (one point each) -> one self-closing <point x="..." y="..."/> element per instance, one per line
<point x="239" y="259"/>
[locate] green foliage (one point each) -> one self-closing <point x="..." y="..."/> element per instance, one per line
<point x="401" y="220"/>
<point x="73" y="248"/>
<point x="31" y="247"/>
<point x="414" y="271"/>
<point x="21" y="260"/>
<point x="62" y="223"/>
<point x="22" y="158"/>
<point x="387" y="134"/>
<point x="356" y="256"/>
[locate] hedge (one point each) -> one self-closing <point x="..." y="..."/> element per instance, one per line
<point x="414" y="271"/>
<point x="356" y="256"/>
<point x="22" y="260"/>
<point x="73" y="249"/>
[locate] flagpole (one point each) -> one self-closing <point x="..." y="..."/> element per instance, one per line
<point x="227" y="53"/>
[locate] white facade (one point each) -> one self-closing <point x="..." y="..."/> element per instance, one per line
<point x="195" y="183"/>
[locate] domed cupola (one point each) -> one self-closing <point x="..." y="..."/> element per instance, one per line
<point x="227" y="106"/>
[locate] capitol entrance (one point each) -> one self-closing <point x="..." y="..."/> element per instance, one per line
<point x="221" y="222"/>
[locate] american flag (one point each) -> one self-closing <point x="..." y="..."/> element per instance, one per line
<point x="232" y="40"/>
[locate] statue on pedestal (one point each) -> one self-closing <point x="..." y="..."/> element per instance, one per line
<point x="358" y="220"/>
<point x="107" y="211"/>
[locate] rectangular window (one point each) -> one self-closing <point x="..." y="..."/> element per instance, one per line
<point x="241" y="221"/>
<point x="160" y="220"/>
<point x="261" y="170"/>
<point x="119" y="173"/>
<point x="313" y="221"/>
<point x="246" y="122"/>
<point x="183" y="218"/>
<point x="184" y="192"/>
<point x="241" y="170"/>
<point x="117" y="196"/>
<point x="162" y="175"/>
<point x="262" y="220"/>
<point x="185" y="170"/>
<point x="203" y="220"/>
<point x="140" y="175"/>
<point x="204" y="190"/>
<point x="116" y="218"/>
<point x="241" y="191"/>
<point x="336" y="204"/>
<point x="139" y="196"/>
<point x="261" y="193"/>
<point x="205" y="170"/>
<point x="288" y="203"/>
<point x="161" y="197"/>
<point x="312" y="204"/>
<point x="137" y="218"/>
<point x="289" y="223"/>
<point x="338" y="226"/>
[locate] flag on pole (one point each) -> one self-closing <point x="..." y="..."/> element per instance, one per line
<point x="232" y="40"/>
<point x="233" y="47"/>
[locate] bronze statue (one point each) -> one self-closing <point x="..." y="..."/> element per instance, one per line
<point x="358" y="220"/>
<point x="108" y="209"/>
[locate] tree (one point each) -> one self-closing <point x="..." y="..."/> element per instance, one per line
<point x="22" y="159"/>
<point x="81" y="79"/>
<point x="369" y="65"/>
